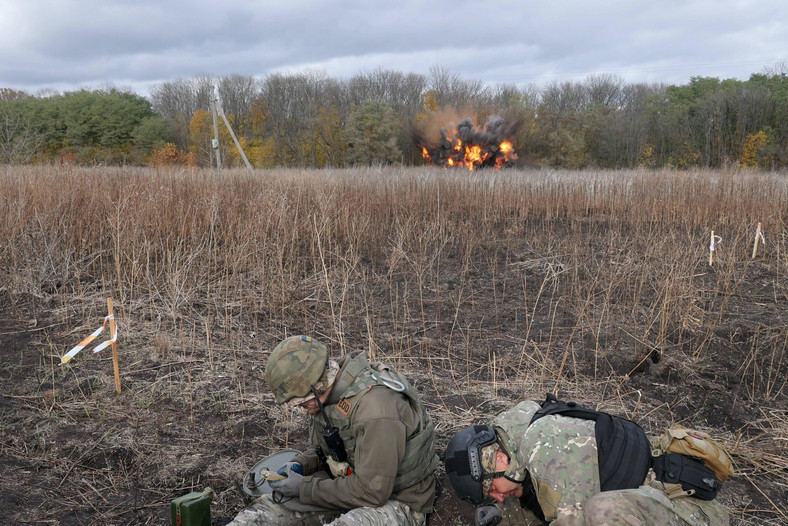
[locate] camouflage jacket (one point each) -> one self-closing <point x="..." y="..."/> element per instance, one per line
<point x="559" y="452"/>
<point x="389" y="439"/>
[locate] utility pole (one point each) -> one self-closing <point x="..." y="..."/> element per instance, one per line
<point x="215" y="140"/>
<point x="229" y="128"/>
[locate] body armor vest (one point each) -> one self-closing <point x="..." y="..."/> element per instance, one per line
<point x="356" y="377"/>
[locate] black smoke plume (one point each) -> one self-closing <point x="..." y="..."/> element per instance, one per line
<point x="445" y="151"/>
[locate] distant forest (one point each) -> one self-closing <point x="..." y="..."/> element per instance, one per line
<point x="313" y="120"/>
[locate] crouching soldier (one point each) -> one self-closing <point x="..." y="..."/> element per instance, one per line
<point x="372" y="456"/>
<point x="560" y="464"/>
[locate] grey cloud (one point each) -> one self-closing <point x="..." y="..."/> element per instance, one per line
<point x="70" y="43"/>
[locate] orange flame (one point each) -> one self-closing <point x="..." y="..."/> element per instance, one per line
<point x="473" y="156"/>
<point x="507" y="149"/>
<point x="470" y="156"/>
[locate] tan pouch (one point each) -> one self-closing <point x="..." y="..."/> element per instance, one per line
<point x="339" y="469"/>
<point x="679" y="439"/>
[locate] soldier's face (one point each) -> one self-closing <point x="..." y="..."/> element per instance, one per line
<point x="501" y="487"/>
<point x="312" y="406"/>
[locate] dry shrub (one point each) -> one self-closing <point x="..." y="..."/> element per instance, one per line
<point x="169" y="154"/>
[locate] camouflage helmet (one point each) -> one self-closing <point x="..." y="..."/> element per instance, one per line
<point x="295" y="365"/>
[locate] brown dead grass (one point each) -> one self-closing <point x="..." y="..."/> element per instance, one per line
<point x="485" y="288"/>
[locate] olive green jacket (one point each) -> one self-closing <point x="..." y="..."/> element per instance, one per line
<point x="388" y="436"/>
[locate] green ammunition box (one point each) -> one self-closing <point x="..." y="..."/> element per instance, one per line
<point x="193" y="509"/>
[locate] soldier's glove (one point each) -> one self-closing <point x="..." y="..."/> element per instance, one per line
<point x="292" y="466"/>
<point x="488" y="516"/>
<point x="289" y="487"/>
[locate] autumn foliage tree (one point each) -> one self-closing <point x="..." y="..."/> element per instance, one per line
<point x="310" y="120"/>
<point x="754" y="153"/>
<point x="169" y="154"/>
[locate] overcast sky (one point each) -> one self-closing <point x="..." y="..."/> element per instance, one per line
<point x="66" y="44"/>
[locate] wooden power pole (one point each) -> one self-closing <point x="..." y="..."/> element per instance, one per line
<point x="220" y="110"/>
<point x="215" y="140"/>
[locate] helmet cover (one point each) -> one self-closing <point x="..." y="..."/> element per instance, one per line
<point x="294" y="366"/>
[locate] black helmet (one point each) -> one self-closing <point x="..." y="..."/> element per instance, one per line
<point x="464" y="462"/>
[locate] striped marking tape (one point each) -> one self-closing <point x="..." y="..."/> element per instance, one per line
<point x="84" y="343"/>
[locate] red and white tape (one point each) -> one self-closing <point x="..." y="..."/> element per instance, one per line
<point x="84" y="343"/>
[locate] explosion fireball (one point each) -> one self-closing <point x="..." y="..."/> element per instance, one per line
<point x="469" y="147"/>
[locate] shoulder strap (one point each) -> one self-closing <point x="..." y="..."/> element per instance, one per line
<point x="554" y="406"/>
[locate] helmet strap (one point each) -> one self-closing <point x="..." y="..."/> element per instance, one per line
<point x="320" y="405"/>
<point x="502" y="449"/>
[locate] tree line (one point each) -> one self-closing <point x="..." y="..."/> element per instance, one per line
<point x="312" y="120"/>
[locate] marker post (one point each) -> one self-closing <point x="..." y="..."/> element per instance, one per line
<point x="758" y="236"/>
<point x="711" y="249"/>
<point x="114" y="346"/>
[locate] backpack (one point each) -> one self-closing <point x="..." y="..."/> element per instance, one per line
<point x="684" y="441"/>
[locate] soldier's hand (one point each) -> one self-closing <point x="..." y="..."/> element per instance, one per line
<point x="289" y="487"/>
<point x="488" y="516"/>
<point x="292" y="466"/>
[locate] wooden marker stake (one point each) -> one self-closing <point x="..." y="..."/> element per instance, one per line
<point x="755" y="244"/>
<point x="114" y="345"/>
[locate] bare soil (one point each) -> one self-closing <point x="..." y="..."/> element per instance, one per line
<point x="75" y="453"/>
<point x="195" y="412"/>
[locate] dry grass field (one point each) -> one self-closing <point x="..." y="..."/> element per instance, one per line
<point x="483" y="287"/>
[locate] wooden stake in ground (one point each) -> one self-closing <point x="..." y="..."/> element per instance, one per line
<point x="713" y="246"/>
<point x="114" y="345"/>
<point x="758" y="235"/>
<point x="711" y="249"/>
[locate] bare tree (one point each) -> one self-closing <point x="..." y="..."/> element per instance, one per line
<point x="238" y="92"/>
<point x="292" y="102"/>
<point x="451" y="90"/>
<point x="632" y="122"/>
<point x="562" y="104"/>
<point x="176" y="101"/>
<point x="604" y="90"/>
<point x="400" y="92"/>
<point x="19" y="141"/>
<point x="12" y="94"/>
<point x="779" y="68"/>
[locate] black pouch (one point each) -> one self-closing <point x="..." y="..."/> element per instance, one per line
<point x="695" y="477"/>
<point x="336" y="446"/>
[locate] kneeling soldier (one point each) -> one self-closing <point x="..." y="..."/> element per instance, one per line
<point x="372" y="459"/>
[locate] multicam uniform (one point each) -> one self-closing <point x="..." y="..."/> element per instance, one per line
<point x="389" y="439"/>
<point x="560" y="453"/>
